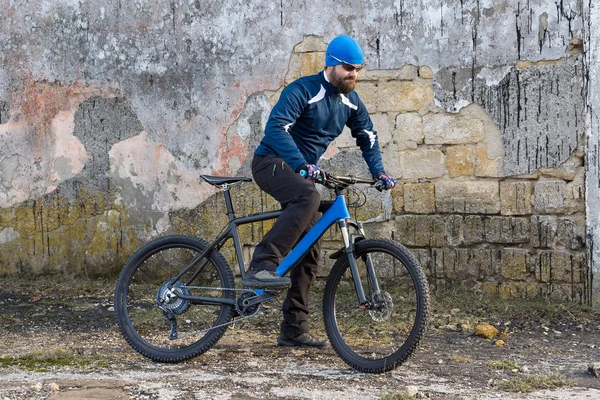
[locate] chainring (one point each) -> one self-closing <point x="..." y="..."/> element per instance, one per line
<point x="244" y="310"/>
<point x="168" y="300"/>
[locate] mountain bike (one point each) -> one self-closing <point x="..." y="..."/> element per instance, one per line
<point x="176" y="296"/>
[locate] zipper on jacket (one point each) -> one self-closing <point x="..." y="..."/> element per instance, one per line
<point x="334" y="110"/>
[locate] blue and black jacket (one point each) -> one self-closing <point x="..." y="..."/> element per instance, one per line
<point x="309" y="115"/>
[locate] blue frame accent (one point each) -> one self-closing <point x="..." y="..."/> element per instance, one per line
<point x="338" y="211"/>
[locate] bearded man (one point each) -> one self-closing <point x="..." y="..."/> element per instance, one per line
<point x="311" y="112"/>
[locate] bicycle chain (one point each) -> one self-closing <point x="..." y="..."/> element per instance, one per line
<point x="221" y="325"/>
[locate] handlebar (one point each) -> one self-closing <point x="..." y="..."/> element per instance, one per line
<point x="334" y="181"/>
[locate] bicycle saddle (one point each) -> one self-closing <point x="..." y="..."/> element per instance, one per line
<point x="222" y="180"/>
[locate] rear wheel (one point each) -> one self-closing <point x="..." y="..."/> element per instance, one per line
<point x="146" y="304"/>
<point x="383" y="335"/>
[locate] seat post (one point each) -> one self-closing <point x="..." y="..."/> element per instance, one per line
<point x="228" y="202"/>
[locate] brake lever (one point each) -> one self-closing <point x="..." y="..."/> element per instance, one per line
<point x="322" y="178"/>
<point x="379" y="185"/>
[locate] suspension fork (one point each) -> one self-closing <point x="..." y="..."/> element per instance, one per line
<point x="369" y="262"/>
<point x="349" y="242"/>
<point x="349" y="250"/>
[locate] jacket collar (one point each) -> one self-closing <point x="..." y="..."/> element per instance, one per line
<point x="327" y="85"/>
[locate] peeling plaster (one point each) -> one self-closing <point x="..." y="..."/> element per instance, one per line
<point x="70" y="155"/>
<point x="592" y="161"/>
<point x="151" y="178"/>
<point x="493" y="76"/>
<point x="540" y="108"/>
<point x="190" y="77"/>
<point x="41" y="134"/>
<point x="97" y="124"/>
<point x="187" y="79"/>
<point x="8" y="235"/>
<point x="245" y="134"/>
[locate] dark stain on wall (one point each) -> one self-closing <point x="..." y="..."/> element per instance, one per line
<point x="540" y="108"/>
<point x="99" y="124"/>
<point x="4" y="112"/>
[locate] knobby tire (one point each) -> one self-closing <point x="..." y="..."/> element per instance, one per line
<point x="379" y="340"/>
<point x="145" y="326"/>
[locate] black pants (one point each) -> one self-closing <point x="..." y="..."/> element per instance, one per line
<point x="300" y="202"/>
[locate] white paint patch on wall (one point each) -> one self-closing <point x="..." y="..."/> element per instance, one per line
<point x="493" y="76"/>
<point x="8" y="235"/>
<point x="166" y="183"/>
<point x="69" y="154"/>
<point x="22" y="174"/>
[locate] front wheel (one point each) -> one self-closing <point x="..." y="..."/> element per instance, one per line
<point x="381" y="336"/>
<point x="158" y="323"/>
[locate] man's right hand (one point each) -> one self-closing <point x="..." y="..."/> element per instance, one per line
<point x="312" y="172"/>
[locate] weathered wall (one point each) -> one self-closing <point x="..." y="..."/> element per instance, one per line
<point x="593" y="148"/>
<point x="109" y="111"/>
<point x="467" y="220"/>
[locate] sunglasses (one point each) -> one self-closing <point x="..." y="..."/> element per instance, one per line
<point x="347" y="66"/>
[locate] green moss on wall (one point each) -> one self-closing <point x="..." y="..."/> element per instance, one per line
<point x="89" y="236"/>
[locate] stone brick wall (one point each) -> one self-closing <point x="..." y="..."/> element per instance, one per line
<point x="468" y="223"/>
<point x="109" y="111"/>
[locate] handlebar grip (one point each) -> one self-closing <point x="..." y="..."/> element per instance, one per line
<point x="321" y="175"/>
<point x="380" y="185"/>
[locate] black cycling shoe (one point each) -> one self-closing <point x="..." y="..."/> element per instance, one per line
<point x="304" y="339"/>
<point x="266" y="278"/>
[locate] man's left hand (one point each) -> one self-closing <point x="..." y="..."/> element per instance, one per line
<point x="387" y="181"/>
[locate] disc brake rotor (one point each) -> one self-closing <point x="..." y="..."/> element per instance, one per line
<point x="382" y="306"/>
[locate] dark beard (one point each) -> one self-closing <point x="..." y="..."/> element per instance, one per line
<point x="345" y="86"/>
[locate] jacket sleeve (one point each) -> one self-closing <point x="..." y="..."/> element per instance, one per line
<point x="290" y="106"/>
<point x="366" y="138"/>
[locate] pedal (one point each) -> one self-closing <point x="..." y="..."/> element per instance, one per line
<point x="260" y="298"/>
<point x="266" y="279"/>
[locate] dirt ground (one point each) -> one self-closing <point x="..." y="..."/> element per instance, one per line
<point x="60" y="341"/>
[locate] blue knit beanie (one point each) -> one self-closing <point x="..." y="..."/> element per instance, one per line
<point x="344" y="48"/>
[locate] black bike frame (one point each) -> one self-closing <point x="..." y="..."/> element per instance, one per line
<point x="231" y="232"/>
